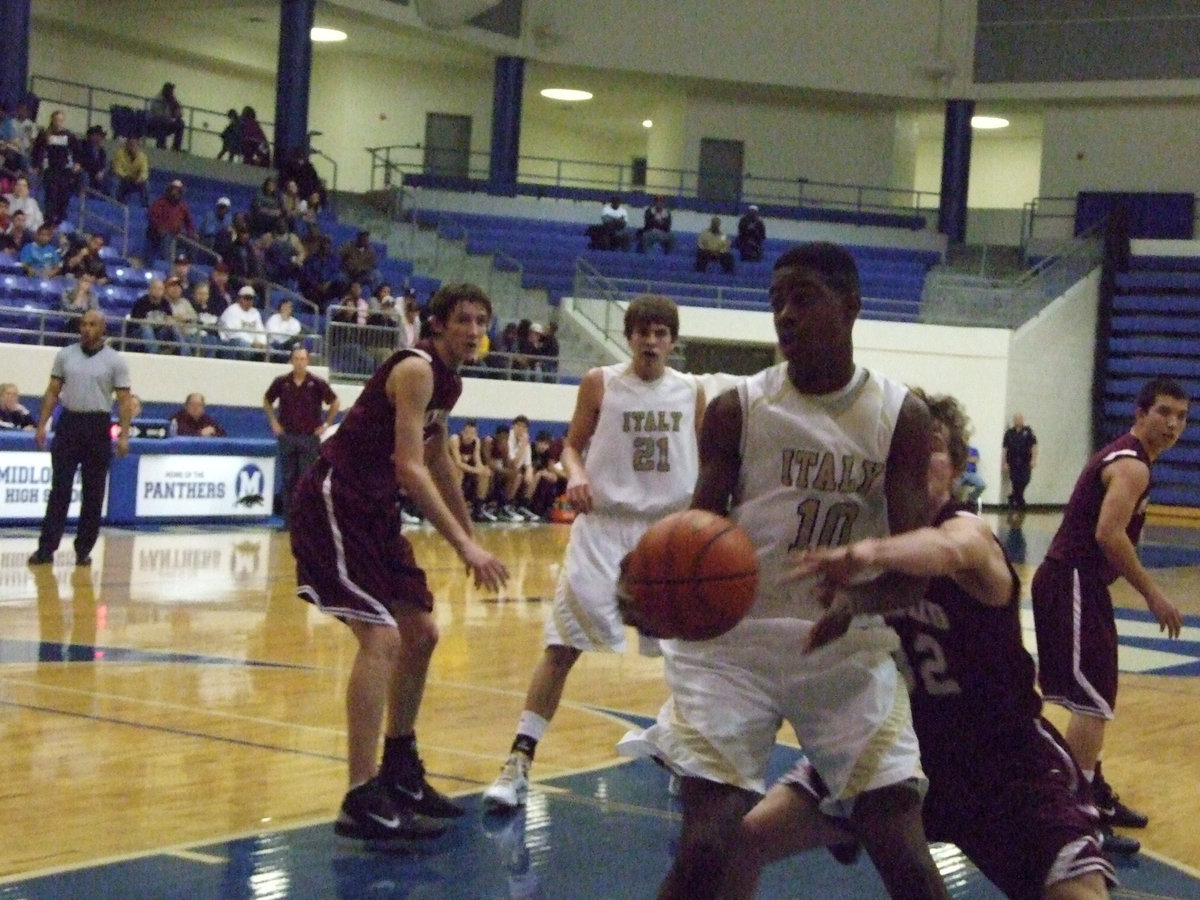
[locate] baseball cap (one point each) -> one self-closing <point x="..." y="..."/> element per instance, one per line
<point x="753" y="207"/>
<point x="223" y="201"/>
<point x="176" y="183"/>
<point x="246" y="291"/>
<point x="182" y="257"/>
<point x="173" y="280"/>
<point x="537" y="328"/>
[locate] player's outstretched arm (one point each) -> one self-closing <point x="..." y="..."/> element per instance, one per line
<point x="720" y="454"/>
<point x="1125" y="480"/>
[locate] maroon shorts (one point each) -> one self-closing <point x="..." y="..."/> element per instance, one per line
<point x="1018" y="807"/>
<point x="351" y="560"/>
<point x="1076" y="639"/>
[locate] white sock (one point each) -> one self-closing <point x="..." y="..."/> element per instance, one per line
<point x="532" y="725"/>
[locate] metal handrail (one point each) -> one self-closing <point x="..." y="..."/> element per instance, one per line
<point x="401" y="159"/>
<point x="122" y="209"/>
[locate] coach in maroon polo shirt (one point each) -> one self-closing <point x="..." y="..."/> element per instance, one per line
<point x="307" y="406"/>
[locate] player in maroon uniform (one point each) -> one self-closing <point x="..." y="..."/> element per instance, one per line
<point x="353" y="563"/>
<point x="1002" y="783"/>
<point x="1072" y="609"/>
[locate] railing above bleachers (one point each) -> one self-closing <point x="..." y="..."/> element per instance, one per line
<point x="798" y="198"/>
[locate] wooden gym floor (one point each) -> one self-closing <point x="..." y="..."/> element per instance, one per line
<point x="173" y="726"/>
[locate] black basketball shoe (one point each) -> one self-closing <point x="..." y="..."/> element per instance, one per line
<point x="408" y="789"/>
<point x="1113" y="812"/>
<point x="368" y="814"/>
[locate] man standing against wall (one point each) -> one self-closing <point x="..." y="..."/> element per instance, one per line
<point x="300" y="422"/>
<point x="83" y="379"/>
<point x="1020" y="457"/>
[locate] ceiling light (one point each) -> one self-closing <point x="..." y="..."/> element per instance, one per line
<point x="647" y="123"/>
<point x="327" y="35"/>
<point x="566" y="94"/>
<point x="988" y="122"/>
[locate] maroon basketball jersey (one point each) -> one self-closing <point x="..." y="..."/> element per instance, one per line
<point x="970" y="675"/>
<point x="361" y="450"/>
<point x="1075" y="542"/>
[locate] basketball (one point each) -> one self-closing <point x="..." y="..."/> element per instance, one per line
<point x="691" y="576"/>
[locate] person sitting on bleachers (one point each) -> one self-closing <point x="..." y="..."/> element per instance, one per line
<point x="282" y="254"/>
<point x="80" y="296"/>
<point x="549" y="350"/>
<point x="231" y="137"/>
<point x="751" y="236"/>
<point x="284" y="331"/>
<point x="353" y="308"/>
<point x="319" y="273"/>
<point x="220" y="294"/>
<point x="87" y="260"/>
<point x="41" y="257"/>
<point x="16" y="235"/>
<point x="5" y="222"/>
<point x="184" y="316"/>
<point x="12" y="414"/>
<point x="17" y="134"/>
<point x="168" y="217"/>
<point x="713" y="246"/>
<point x="358" y="261"/>
<point x="152" y="318"/>
<point x="202" y="336"/>
<point x="299" y="168"/>
<point x="384" y="310"/>
<point x="265" y="208"/>
<point x="412" y="318"/>
<point x="131" y="167"/>
<point x="20" y="200"/>
<point x="244" y="260"/>
<point x="242" y="330"/>
<point x="93" y="159"/>
<point x="165" y="119"/>
<point x="293" y="204"/>
<point x="193" y="420"/>
<point x="656" y="228"/>
<point x="613" y="232"/>
<point x="217" y="220"/>
<point x="181" y="268"/>
<point x="256" y="149"/>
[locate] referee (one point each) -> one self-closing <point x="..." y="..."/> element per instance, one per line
<point x="300" y="423"/>
<point x="83" y="379"/>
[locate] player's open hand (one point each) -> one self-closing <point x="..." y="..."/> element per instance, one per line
<point x="1170" y="619"/>
<point x="834" y="622"/>
<point x="489" y="571"/>
<point x="833" y="563"/>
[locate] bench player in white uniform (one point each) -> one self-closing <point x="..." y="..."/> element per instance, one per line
<point x="813" y="452"/>
<point x="637" y="423"/>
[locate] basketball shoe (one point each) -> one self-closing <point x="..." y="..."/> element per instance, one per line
<point x="406" y="785"/>
<point x="512" y="784"/>
<point x="1118" y="844"/>
<point x="369" y="814"/>
<point x="1113" y="812"/>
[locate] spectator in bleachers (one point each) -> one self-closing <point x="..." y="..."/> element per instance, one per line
<point x="93" y="159"/>
<point x="193" y="420"/>
<point x="713" y="246"/>
<point x="242" y="330"/>
<point x="751" y="236"/>
<point x="265" y="208"/>
<point x="165" y="119"/>
<point x="231" y="137"/>
<point x="309" y="226"/>
<point x="282" y="254"/>
<point x="358" y="261"/>
<point x="412" y="318"/>
<point x="199" y="327"/>
<point x="225" y="238"/>
<point x="20" y="200"/>
<point x="613" y="232"/>
<point x="152" y="318"/>
<point x="293" y="204"/>
<point x="169" y="216"/>
<point x="216" y="221"/>
<point x="549" y="350"/>
<point x="41" y="257"/>
<point x="5" y="223"/>
<point x="299" y="168"/>
<point x="319" y="273"/>
<point x="87" y="260"/>
<point x="131" y="167"/>
<point x="244" y="261"/>
<point x="284" y="331"/>
<point x="183" y="315"/>
<point x="181" y="268"/>
<point x="56" y="155"/>
<point x="256" y="149"/>
<point x="220" y="294"/>
<point x="353" y="308"/>
<point x="549" y="475"/>
<point x="80" y="295"/>
<point x="505" y="345"/>
<point x="18" y="132"/>
<point x="16" y="235"/>
<point x="656" y="228"/>
<point x="12" y="414"/>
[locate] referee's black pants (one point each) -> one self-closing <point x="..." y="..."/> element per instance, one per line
<point x="81" y="441"/>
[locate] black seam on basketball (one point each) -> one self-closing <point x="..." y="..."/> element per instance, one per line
<point x="698" y="556"/>
<point x="707" y="579"/>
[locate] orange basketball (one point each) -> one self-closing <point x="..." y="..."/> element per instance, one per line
<point x="691" y="576"/>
